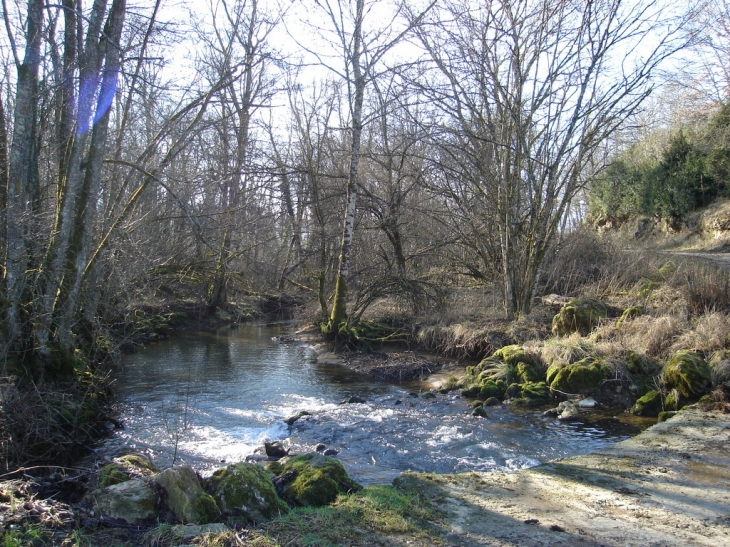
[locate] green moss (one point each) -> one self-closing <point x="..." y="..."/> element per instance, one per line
<point x="629" y="313"/>
<point x="528" y="373"/>
<point x="639" y="364"/>
<point x="318" y="480"/>
<point x="111" y="474"/>
<point x="580" y="315"/>
<point x="644" y="288"/>
<point x="205" y="508"/>
<point x="649" y="404"/>
<point x="579" y="377"/>
<point x="515" y="355"/>
<point x="139" y="464"/>
<point x="688" y="373"/>
<point x="246" y="490"/>
<point x="529" y="394"/>
<point x="553" y="370"/>
<point x="665" y="415"/>
<point x="491" y="388"/>
<point x="671" y="401"/>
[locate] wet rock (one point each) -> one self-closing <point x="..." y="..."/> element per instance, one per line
<point x="480" y="411"/>
<point x="275" y="449"/>
<point x="492" y="401"/>
<point x="245" y="491"/>
<point x="331" y="452"/>
<point x="688" y="373"/>
<point x="649" y="404"/>
<point x="185" y="496"/>
<point x="132" y="501"/>
<point x="297" y="416"/>
<point x="568" y="412"/>
<point x="529" y="394"/>
<point x="320" y="447"/>
<point x="355" y="400"/>
<point x="314" y="480"/>
<point x="429" y="395"/>
<point x="587" y="403"/>
<point x="580" y="315"/>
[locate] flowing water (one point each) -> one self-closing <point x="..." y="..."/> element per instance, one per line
<point x="208" y="399"/>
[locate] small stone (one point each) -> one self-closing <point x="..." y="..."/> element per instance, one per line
<point x="320" y="447"/>
<point x="331" y="452"/>
<point x="275" y="449"/>
<point x="587" y="403"/>
<point x="355" y="400"/>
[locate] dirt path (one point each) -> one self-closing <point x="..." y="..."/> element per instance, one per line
<point x="669" y="486"/>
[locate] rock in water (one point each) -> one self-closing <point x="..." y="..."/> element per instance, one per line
<point x="275" y="449"/>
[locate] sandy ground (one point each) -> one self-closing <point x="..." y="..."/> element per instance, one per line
<point x="669" y="486"/>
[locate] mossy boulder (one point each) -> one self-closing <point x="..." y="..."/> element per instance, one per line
<point x="112" y="474"/>
<point x="125" y="468"/>
<point x="649" y="404"/>
<point x="529" y="394"/>
<point x="528" y="373"/>
<point x="552" y="371"/>
<point x="485" y="388"/>
<point x="580" y="315"/>
<point x="514" y="355"/>
<point x="313" y="480"/>
<point x="688" y="373"/>
<point x="246" y="492"/>
<point x="580" y="377"/>
<point x="186" y="497"/>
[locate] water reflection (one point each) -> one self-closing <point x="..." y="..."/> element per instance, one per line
<point x="216" y="397"/>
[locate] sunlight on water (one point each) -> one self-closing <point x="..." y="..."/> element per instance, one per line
<point x="217" y="397"/>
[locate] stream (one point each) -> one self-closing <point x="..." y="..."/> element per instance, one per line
<point x="212" y="398"/>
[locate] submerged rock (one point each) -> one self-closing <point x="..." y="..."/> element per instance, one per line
<point x="186" y="497"/>
<point x="275" y="449"/>
<point x="246" y="491"/>
<point x="313" y="480"/>
<point x="291" y="419"/>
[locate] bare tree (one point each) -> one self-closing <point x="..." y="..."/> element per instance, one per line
<point x="526" y="92"/>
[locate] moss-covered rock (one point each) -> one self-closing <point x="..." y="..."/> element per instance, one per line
<point x="515" y="355"/>
<point x="688" y="373"/>
<point x="665" y="415"/>
<point x="580" y="315"/>
<point x="125" y="468"/>
<point x="186" y="497"/>
<point x="579" y="377"/>
<point x="529" y="394"/>
<point x="528" y="373"/>
<point x="649" y="404"/>
<point x="552" y="371"/>
<point x="112" y="474"/>
<point x="245" y="491"/>
<point x="313" y="480"/>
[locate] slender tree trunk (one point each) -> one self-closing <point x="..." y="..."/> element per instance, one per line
<point x="22" y="189"/>
<point x="339" y="308"/>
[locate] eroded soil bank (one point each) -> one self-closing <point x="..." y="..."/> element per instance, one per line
<point x="670" y="485"/>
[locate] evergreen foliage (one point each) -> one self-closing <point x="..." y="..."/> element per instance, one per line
<point x="691" y="172"/>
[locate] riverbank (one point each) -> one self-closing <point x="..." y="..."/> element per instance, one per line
<point x="670" y="485"/>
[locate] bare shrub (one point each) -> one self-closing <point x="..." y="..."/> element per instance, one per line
<point x="705" y="288"/>
<point x="708" y="333"/>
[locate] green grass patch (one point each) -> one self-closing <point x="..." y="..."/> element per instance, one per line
<point x="372" y="516"/>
